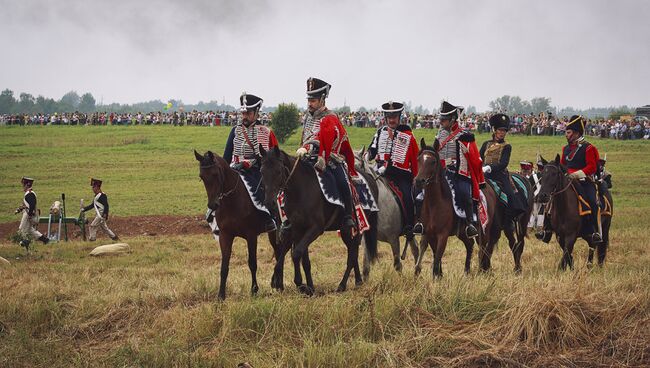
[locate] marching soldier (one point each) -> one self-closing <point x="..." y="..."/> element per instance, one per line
<point x="460" y="156"/>
<point x="100" y="204"/>
<point x="495" y="154"/>
<point x="396" y="155"/>
<point x="29" y="218"/>
<point x="325" y="137"/>
<point x="581" y="159"/>
<point x="242" y="148"/>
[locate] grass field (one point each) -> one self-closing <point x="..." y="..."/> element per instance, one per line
<point x="156" y="307"/>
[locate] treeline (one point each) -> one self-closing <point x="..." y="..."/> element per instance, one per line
<point x="26" y="103"/>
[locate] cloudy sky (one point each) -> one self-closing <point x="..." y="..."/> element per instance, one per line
<point x="579" y="53"/>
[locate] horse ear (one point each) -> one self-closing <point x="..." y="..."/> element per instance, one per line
<point x="544" y="162"/>
<point x="276" y="151"/>
<point x="262" y="151"/>
<point x="557" y="159"/>
<point x="422" y="144"/>
<point x="198" y="156"/>
<point x="363" y="150"/>
<point x="436" y="145"/>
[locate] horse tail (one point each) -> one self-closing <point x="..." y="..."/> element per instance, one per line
<point x="370" y="235"/>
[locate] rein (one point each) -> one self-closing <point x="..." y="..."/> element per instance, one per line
<point x="286" y="181"/>
<point x="547" y="210"/>
<point x="223" y="183"/>
<point x="433" y="178"/>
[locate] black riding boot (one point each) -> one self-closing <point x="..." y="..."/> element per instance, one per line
<point x="471" y="230"/>
<point x="418" y="228"/>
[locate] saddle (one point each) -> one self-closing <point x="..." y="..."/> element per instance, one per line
<point x="518" y="185"/>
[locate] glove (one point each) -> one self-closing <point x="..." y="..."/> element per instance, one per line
<point x="237" y="166"/>
<point x="577" y="175"/>
<point x="380" y="170"/>
<point x="320" y="164"/>
<point x="487" y="169"/>
<point x="301" y="152"/>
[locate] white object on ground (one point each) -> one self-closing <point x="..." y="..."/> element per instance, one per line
<point x="108" y="249"/>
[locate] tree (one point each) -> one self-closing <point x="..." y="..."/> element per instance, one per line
<point x="345" y="109"/>
<point x="540" y="104"/>
<point x="87" y="103"/>
<point x="621" y="111"/>
<point x="26" y="104"/>
<point x="70" y="99"/>
<point x="285" y="121"/>
<point x="7" y="101"/>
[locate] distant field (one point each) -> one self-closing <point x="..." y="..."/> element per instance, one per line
<point x="156" y="307"/>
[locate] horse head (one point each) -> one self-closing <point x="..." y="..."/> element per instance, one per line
<point x="361" y="164"/>
<point x="274" y="173"/>
<point x="552" y="180"/>
<point x="212" y="171"/>
<point x="429" y="167"/>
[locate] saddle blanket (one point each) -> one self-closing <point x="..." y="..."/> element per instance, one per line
<point x="328" y="186"/>
<point x="501" y="195"/>
<point x="252" y="180"/>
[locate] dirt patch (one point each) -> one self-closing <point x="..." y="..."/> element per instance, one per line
<point x="132" y="226"/>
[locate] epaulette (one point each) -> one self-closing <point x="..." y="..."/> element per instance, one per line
<point x="466" y="136"/>
<point x="403" y="128"/>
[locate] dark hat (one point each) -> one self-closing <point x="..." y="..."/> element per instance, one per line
<point x="26" y="180"/>
<point x="526" y="165"/>
<point x="317" y="88"/>
<point x="96" y="182"/>
<point x="250" y="102"/>
<point x="577" y="123"/>
<point x="391" y="107"/>
<point x="449" y="111"/>
<point x="500" y="121"/>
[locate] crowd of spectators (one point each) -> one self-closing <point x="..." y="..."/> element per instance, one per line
<point x="526" y="124"/>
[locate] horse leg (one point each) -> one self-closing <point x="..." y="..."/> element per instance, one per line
<point x="225" y="243"/>
<point x="358" y="280"/>
<point x="486" y="247"/>
<point x="414" y="248"/>
<point x="306" y="266"/>
<point x="439" y="244"/>
<point x="279" y="252"/>
<point x="563" y="261"/>
<point x="469" y="248"/>
<point x="514" y="248"/>
<point x="297" y="273"/>
<point x="569" y="251"/>
<point x="423" y="248"/>
<point x="349" y="241"/>
<point x="366" y="260"/>
<point x="602" y="248"/>
<point x="397" y="261"/>
<point x="252" y="262"/>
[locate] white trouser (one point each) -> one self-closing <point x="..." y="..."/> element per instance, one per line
<point x="99" y="222"/>
<point x="28" y="226"/>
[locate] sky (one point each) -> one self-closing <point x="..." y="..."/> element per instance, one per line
<point x="580" y="53"/>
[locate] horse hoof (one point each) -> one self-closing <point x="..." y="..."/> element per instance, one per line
<point x="254" y="290"/>
<point x="304" y="289"/>
<point x="398" y="267"/>
<point x="341" y="288"/>
<point x="221" y="297"/>
<point x="418" y="270"/>
<point x="518" y="271"/>
<point x="358" y="282"/>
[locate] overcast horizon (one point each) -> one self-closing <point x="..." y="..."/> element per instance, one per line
<point x="578" y="53"/>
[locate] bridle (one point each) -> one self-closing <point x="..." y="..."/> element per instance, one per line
<point x="222" y="194"/>
<point x="286" y="181"/>
<point x="433" y="178"/>
<point x="560" y="175"/>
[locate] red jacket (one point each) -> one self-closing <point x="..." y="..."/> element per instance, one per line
<point x="580" y="156"/>
<point x="333" y="140"/>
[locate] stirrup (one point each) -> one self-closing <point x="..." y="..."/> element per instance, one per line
<point x="270" y="226"/>
<point x="470" y="231"/>
<point x="596" y="238"/>
<point x="418" y="228"/>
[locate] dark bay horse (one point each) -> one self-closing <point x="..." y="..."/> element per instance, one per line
<point x="309" y="213"/>
<point x="235" y="213"/>
<point x="438" y="215"/>
<point x="516" y="236"/>
<point x="561" y="201"/>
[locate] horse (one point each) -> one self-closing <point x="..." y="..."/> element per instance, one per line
<point x="389" y="223"/>
<point x="309" y="213"/>
<point x="562" y="206"/>
<point x="438" y="215"/>
<point x="236" y="216"/>
<point x="516" y="236"/>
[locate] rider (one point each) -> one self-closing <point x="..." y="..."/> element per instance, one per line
<point x="242" y="148"/>
<point x="581" y="159"/>
<point x="495" y="154"/>
<point x="325" y="143"/>
<point x="460" y="156"/>
<point x="396" y="155"/>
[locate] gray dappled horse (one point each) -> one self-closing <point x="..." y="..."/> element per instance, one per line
<point x="389" y="223"/>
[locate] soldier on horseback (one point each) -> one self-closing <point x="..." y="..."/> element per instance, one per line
<point x="581" y="159"/>
<point x="396" y="155"/>
<point x="325" y="144"/>
<point x="242" y="149"/>
<point x="495" y="154"/>
<point x="461" y="158"/>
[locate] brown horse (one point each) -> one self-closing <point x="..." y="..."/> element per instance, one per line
<point x="236" y="216"/>
<point x="308" y="212"/>
<point x="562" y="206"/>
<point x="516" y="236"/>
<point x="438" y="215"/>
